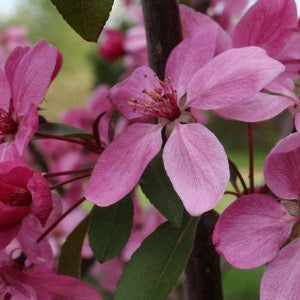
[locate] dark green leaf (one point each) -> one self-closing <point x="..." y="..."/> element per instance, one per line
<point x="110" y="229"/>
<point x="157" y="187"/>
<point x="70" y="257"/>
<point x="155" y="267"/>
<point x="86" y="17"/>
<point x="63" y="130"/>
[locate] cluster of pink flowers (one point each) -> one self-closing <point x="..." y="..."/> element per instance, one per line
<point x="241" y="71"/>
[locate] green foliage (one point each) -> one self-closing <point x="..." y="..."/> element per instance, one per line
<point x="155" y="267"/>
<point x="110" y="229"/>
<point x="70" y="257"/>
<point x="158" y="189"/>
<point x="86" y="17"/>
<point x="241" y="284"/>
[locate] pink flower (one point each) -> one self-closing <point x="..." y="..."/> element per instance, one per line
<point x="21" y="282"/>
<point x="28" y="73"/>
<point x="253" y="230"/>
<point x="226" y="12"/>
<point x="112" y="47"/>
<point x="22" y="192"/>
<point x="280" y="39"/>
<point x="193" y="157"/>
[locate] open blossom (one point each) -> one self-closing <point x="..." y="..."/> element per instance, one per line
<point x="28" y="281"/>
<point x="253" y="230"/>
<point x="28" y="73"/>
<point x="22" y="192"/>
<point x="281" y="40"/>
<point x="194" y="159"/>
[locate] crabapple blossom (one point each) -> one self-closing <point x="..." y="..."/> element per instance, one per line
<point x="23" y="192"/>
<point x="258" y="229"/>
<point x="24" y="83"/>
<point x="280" y="39"/>
<point x="192" y="81"/>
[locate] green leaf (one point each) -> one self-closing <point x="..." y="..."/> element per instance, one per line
<point x="158" y="189"/>
<point x="155" y="267"/>
<point x="86" y="17"/>
<point x="63" y="130"/>
<point x="110" y="229"/>
<point x="70" y="257"/>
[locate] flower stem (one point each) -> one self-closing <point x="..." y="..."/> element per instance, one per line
<point x="239" y="175"/>
<point x="67" y="212"/>
<point x="70" y="180"/>
<point x="87" y="144"/>
<point x="231" y="193"/>
<point x="251" y="156"/>
<point x="57" y="174"/>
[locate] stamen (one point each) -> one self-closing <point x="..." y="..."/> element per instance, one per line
<point x="160" y="102"/>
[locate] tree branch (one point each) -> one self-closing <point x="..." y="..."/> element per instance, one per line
<point x="203" y="269"/>
<point x="163" y="31"/>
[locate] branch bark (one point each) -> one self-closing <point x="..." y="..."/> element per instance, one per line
<point x="203" y="269"/>
<point x="163" y="31"/>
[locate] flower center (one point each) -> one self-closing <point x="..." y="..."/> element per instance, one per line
<point x="7" y="124"/>
<point x="160" y="102"/>
<point x="14" y="196"/>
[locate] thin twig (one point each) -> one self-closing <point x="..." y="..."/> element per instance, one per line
<point x="57" y="174"/>
<point x="51" y="227"/>
<point x="239" y="175"/>
<point x="251" y="156"/>
<point x="70" y="180"/>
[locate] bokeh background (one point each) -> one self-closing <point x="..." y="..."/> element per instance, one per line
<point x="80" y="73"/>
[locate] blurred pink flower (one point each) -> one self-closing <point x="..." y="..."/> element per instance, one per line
<point x="112" y="46"/>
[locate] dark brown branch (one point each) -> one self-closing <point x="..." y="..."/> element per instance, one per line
<point x="163" y="31"/>
<point x="202" y="5"/>
<point x="203" y="269"/>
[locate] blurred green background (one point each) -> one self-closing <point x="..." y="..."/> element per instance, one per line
<point x="82" y="68"/>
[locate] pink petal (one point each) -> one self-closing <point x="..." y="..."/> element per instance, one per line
<point x="259" y="28"/>
<point x="282" y="168"/>
<point x="13" y="61"/>
<point x="132" y="87"/>
<point x="281" y="277"/>
<point x="192" y="21"/>
<point x="197" y="166"/>
<point x="9" y="152"/>
<point x="297" y="121"/>
<point x="251" y="230"/>
<point x="65" y="287"/>
<point x="12" y="216"/>
<point x="4" y="92"/>
<point x="258" y="108"/>
<point x="27" y="128"/>
<point x="33" y="76"/>
<point x="7" y="236"/>
<point x="41" y="197"/>
<point x="231" y="77"/>
<point x="185" y="60"/>
<point x="122" y="163"/>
